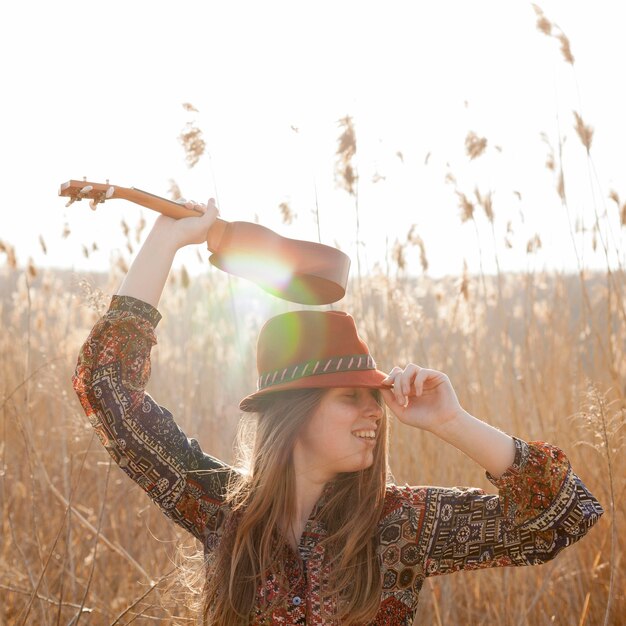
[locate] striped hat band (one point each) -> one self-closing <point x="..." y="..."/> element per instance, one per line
<point x="316" y="367"/>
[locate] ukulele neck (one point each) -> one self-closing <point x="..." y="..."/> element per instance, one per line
<point x="172" y="209"/>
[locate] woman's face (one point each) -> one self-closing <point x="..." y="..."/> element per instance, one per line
<point x="341" y="433"/>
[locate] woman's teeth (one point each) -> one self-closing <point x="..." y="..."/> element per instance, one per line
<point x="365" y="434"/>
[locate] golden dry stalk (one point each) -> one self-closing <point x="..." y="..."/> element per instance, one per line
<point x="349" y="178"/>
<point x="467" y="208"/>
<point x="9" y="250"/>
<point x="414" y="239"/>
<point x="193" y="143"/>
<point x="560" y="186"/>
<point x="550" y="161"/>
<point x="534" y="244"/>
<point x="613" y="195"/>
<point x="486" y="203"/>
<point x="450" y="179"/>
<point x="544" y="25"/>
<point x="475" y="145"/>
<point x="174" y="191"/>
<point x="346" y="150"/>
<point x="509" y="235"/>
<point x="565" y="48"/>
<point x="287" y="214"/>
<point x="584" y="132"/>
<point x="398" y="255"/>
<point x="125" y="228"/>
<point x="31" y="269"/>
<point x="423" y="258"/>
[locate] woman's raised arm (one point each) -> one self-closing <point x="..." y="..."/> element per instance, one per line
<point x="111" y="375"/>
<point x="147" y="275"/>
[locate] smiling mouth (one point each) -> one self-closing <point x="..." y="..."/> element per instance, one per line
<point x="367" y="435"/>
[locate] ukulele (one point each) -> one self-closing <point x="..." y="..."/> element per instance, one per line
<point x="292" y="269"/>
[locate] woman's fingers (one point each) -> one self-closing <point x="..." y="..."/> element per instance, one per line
<point x="401" y="381"/>
<point x="198" y="207"/>
<point x="406" y="382"/>
<point x="393" y="379"/>
<point x="392" y="374"/>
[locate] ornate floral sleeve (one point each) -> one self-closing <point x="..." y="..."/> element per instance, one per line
<point x="142" y="437"/>
<point x="542" y="507"/>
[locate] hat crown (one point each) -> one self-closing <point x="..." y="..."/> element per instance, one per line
<point x="301" y="336"/>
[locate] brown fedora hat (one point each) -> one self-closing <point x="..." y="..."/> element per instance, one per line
<point x="309" y="349"/>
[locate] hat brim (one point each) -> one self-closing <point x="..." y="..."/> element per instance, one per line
<point x="372" y="379"/>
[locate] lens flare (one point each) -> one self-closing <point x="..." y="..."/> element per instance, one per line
<point x="275" y="274"/>
<point x="262" y="269"/>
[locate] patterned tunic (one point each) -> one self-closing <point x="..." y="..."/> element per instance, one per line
<point x="542" y="506"/>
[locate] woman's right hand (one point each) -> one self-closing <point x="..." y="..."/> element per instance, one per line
<point x="189" y="230"/>
<point x="148" y="273"/>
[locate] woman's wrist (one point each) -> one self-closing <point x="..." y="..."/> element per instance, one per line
<point x="489" y="447"/>
<point x="165" y="234"/>
<point x="452" y="428"/>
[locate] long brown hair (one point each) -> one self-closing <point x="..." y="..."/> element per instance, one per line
<point x="263" y="497"/>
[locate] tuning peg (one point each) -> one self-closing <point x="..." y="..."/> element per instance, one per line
<point x="93" y="204"/>
<point x="86" y="189"/>
<point x="110" y="191"/>
<point x="70" y="201"/>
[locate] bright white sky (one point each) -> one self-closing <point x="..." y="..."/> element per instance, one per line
<point x="95" y="89"/>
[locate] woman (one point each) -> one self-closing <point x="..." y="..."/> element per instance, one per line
<point x="314" y="532"/>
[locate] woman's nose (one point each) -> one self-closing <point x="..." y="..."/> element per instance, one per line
<point x="372" y="408"/>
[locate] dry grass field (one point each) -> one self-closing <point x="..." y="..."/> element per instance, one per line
<point x="540" y="356"/>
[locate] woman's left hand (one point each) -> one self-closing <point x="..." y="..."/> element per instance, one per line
<point x="421" y="397"/>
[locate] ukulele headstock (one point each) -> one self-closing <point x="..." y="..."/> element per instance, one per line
<point x="77" y="190"/>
